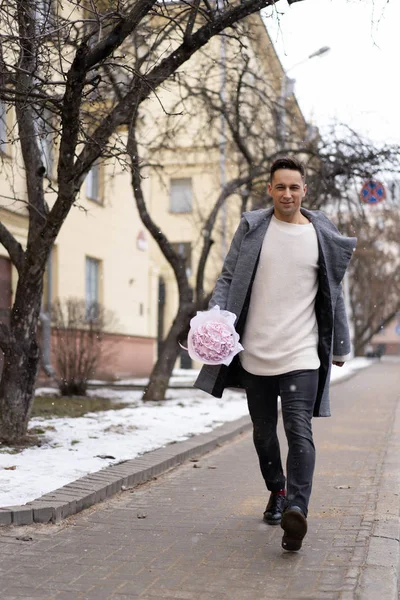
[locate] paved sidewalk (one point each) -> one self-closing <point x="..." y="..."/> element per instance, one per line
<point x="197" y="534"/>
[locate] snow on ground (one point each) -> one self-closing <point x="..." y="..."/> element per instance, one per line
<point x="73" y="445"/>
<point x="179" y="376"/>
<point x="350" y="367"/>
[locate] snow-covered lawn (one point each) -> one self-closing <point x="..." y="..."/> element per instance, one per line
<point x="73" y="446"/>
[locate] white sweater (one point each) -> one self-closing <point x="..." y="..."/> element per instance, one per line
<point x="281" y="333"/>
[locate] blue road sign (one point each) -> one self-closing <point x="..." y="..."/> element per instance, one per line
<point x="398" y="329"/>
<point x="373" y="192"/>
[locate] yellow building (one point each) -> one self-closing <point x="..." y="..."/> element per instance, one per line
<point x="101" y="255"/>
<point x="103" y="252"/>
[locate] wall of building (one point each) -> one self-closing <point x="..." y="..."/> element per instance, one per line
<point x="388" y="340"/>
<point x="108" y="229"/>
<point x="110" y="232"/>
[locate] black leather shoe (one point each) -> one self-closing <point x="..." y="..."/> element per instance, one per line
<point x="275" y="507"/>
<point x="294" y="525"/>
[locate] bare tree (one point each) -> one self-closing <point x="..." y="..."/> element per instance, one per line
<point x="189" y="300"/>
<point x="78" y="342"/>
<point x="79" y="71"/>
<point x="374" y="276"/>
<point x="247" y="111"/>
<point x="250" y="112"/>
<point x="347" y="160"/>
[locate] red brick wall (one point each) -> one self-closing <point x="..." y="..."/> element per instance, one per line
<point x="127" y="356"/>
<point x="123" y="356"/>
<point x="390" y="349"/>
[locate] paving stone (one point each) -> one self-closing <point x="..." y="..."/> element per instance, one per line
<point x="22" y="590"/>
<point x="203" y="537"/>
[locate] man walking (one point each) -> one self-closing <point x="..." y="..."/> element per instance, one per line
<point x="282" y="278"/>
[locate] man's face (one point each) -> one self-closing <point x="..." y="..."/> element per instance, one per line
<point x="287" y="189"/>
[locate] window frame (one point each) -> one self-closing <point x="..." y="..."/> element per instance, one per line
<point x="173" y="203"/>
<point x="92" y="284"/>
<point x="98" y="197"/>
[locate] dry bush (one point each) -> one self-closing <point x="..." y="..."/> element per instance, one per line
<point x="78" y="334"/>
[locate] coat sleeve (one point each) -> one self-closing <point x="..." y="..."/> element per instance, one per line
<point x="221" y="290"/>
<point x="341" y="332"/>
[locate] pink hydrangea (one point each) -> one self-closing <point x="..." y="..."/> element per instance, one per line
<point x="212" y="338"/>
<point x="213" y="341"/>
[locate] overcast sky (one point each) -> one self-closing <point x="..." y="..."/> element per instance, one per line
<point x="357" y="81"/>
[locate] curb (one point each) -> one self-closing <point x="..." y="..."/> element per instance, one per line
<point x="380" y="574"/>
<point x="96" y="487"/>
<point x="137" y="386"/>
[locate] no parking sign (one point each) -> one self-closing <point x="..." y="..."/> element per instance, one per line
<point x="373" y="192"/>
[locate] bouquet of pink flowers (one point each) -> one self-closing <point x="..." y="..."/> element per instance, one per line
<point x="212" y="338"/>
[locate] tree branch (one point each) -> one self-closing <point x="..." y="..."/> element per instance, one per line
<point x="5" y="76"/>
<point x="230" y="188"/>
<point x="200" y="38"/>
<point x="176" y="261"/>
<point x="120" y="32"/>
<point x="27" y="116"/>
<point x="141" y="87"/>
<point x="71" y="174"/>
<point x="191" y="21"/>
<point x="366" y="336"/>
<point x="13" y="247"/>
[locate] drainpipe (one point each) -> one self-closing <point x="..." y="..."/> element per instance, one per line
<point x="222" y="145"/>
<point x="222" y="140"/>
<point x="45" y="321"/>
<point x="46" y="339"/>
<point x="346" y="294"/>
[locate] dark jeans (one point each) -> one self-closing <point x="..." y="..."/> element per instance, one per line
<point x="298" y="391"/>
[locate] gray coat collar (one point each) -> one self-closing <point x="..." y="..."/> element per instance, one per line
<point x="335" y="249"/>
<point x="256" y="217"/>
<point x="323" y="226"/>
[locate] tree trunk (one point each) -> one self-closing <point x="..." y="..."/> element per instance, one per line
<point x="359" y="350"/>
<point x="162" y="371"/>
<point x="21" y="360"/>
<point x="17" y="389"/>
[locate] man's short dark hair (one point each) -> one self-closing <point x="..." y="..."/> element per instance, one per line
<point x="293" y="164"/>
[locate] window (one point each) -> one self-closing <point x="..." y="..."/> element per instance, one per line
<point x="93" y="183"/>
<point x="181" y="195"/>
<point x="3" y="128"/>
<point x="96" y="23"/>
<point x="92" y="286"/>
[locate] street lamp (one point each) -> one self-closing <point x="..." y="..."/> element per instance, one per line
<point x="287" y="89"/>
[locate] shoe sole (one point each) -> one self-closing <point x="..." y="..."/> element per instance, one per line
<point x="294" y="525"/>
<point x="272" y="522"/>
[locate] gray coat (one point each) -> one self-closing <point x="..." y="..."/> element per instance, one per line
<point x="233" y="289"/>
